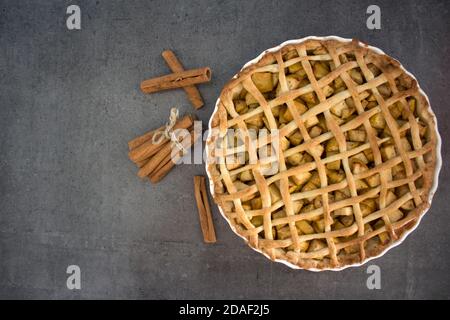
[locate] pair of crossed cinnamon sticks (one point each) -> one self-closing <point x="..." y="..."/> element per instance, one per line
<point x="180" y="78"/>
<point x="155" y="160"/>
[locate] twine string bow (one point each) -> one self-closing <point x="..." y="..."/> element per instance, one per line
<point x="168" y="133"/>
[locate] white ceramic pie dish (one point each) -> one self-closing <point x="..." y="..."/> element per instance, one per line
<point x="435" y="177"/>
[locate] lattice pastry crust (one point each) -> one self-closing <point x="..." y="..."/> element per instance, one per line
<point x="356" y="161"/>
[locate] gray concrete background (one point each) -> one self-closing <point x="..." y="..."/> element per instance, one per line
<point x="69" y="102"/>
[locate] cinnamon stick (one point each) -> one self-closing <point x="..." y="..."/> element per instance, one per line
<point x="155" y="161"/>
<point x="133" y="144"/>
<point x="167" y="164"/>
<point x="176" y="80"/>
<point x="158" y="170"/>
<point x="204" y="210"/>
<point x="175" y="65"/>
<point x="136" y="142"/>
<point x="142" y="163"/>
<point x="148" y="148"/>
<point x="160" y="173"/>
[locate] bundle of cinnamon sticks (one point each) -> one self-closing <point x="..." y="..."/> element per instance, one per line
<point x="155" y="160"/>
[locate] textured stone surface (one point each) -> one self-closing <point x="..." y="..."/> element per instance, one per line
<point x="69" y="102"/>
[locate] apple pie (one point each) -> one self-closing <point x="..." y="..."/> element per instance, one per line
<point x="323" y="153"/>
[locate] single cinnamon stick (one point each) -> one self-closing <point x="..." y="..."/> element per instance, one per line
<point x="167" y="164"/>
<point x="148" y="148"/>
<point x="204" y="210"/>
<point x="176" y="66"/>
<point x="176" y="80"/>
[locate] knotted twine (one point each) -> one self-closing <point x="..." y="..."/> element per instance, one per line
<point x="168" y="133"/>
